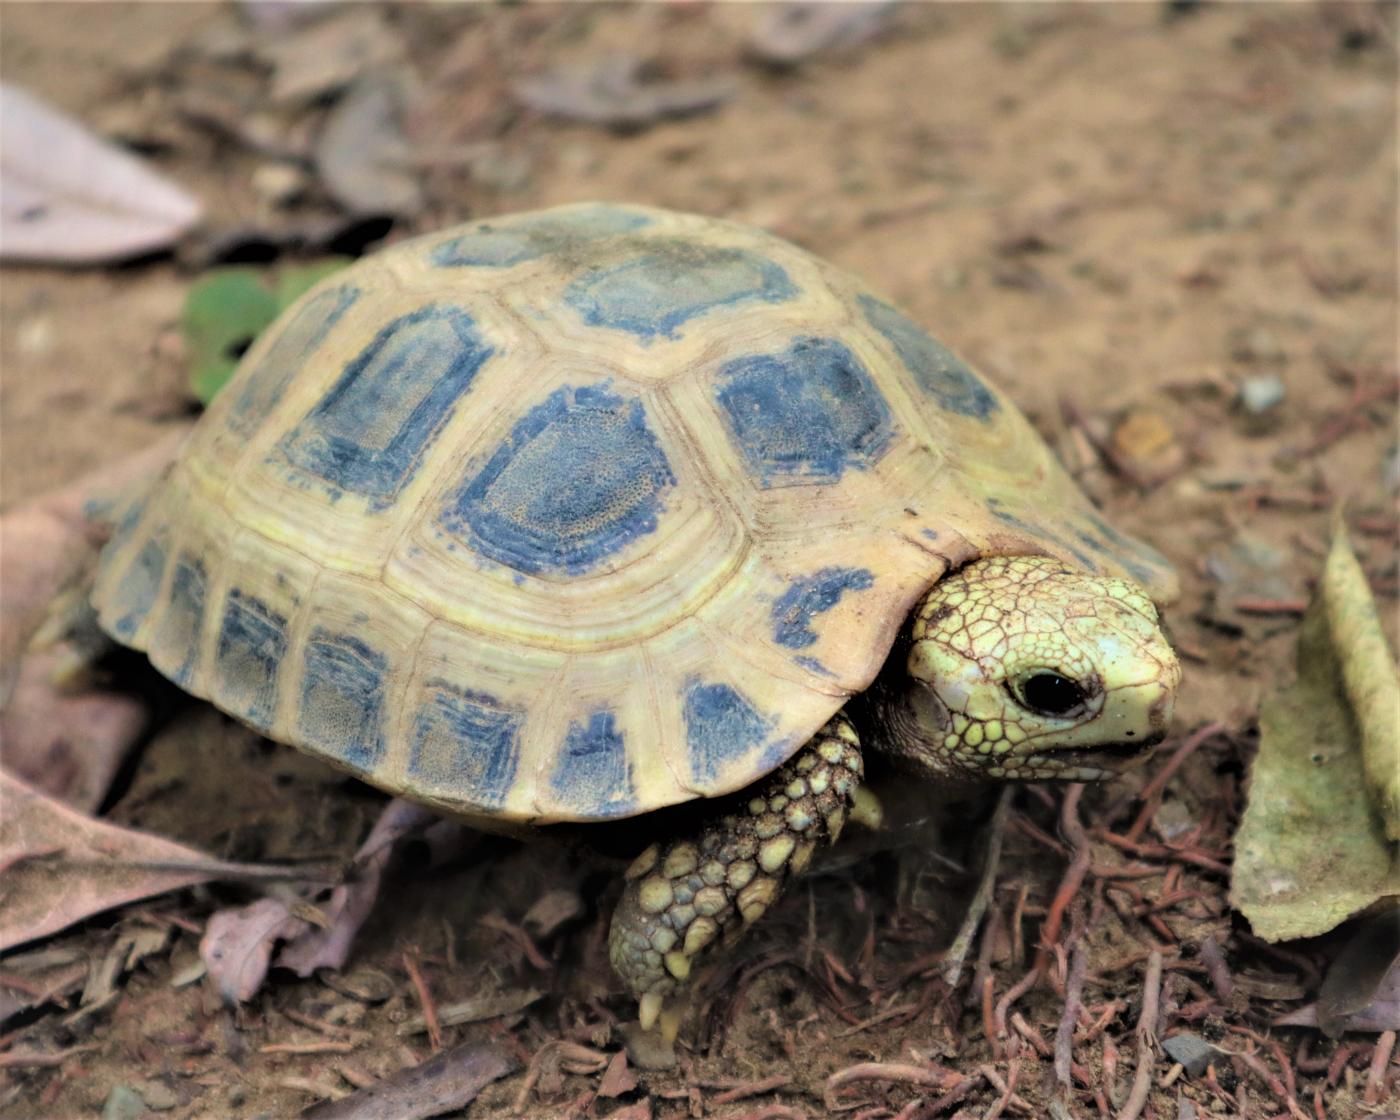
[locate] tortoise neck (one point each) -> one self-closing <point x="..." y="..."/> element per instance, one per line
<point x="885" y="719"/>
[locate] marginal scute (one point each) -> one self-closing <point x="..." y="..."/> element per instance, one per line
<point x="342" y="698"/>
<point x="464" y="746"/>
<point x="502" y="244"/>
<point x="263" y="386"/>
<point x="940" y="373"/>
<point x="1142" y="561"/>
<point x="593" y="777"/>
<point x="998" y="509"/>
<point x="806" y="414"/>
<point x="135" y="593"/>
<point x="673" y="282"/>
<point x="252" y="643"/>
<point x="720" y="727"/>
<point x="371" y="429"/>
<point x="580" y="478"/>
<point x="812" y="595"/>
<point x="176" y="640"/>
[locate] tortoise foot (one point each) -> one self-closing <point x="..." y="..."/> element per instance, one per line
<point x="683" y="895"/>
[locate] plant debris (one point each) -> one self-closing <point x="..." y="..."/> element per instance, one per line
<point x="444" y="1083"/>
<point x="61" y="866"/>
<point x="72" y="198"/>
<point x="621" y="91"/>
<point x="1312" y="849"/>
<point x="362" y="154"/>
<point x="789" y="34"/>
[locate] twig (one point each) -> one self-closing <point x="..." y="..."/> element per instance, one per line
<point x="1008" y="1090"/>
<point x="521" y="938"/>
<point x="425" y="1000"/>
<point x="866" y="1024"/>
<point x="1015" y="992"/>
<point x="29" y="1059"/>
<point x="1151" y="796"/>
<point x="953" y="1095"/>
<point x="1031" y="1035"/>
<point x="1217" y="968"/>
<point x="1272" y="1083"/>
<point x="320" y="1046"/>
<point x="902" y="1072"/>
<point x="774" y="1112"/>
<point x="1074" y="873"/>
<point x="1380" y="1058"/>
<point x="1162" y="851"/>
<point x="957" y="952"/>
<point x="1146" y="1039"/>
<point x="1064" y="1035"/>
<point x="323" y="1027"/>
<point x="752" y="1089"/>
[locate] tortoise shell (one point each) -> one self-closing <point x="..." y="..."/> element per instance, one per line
<point x="579" y="513"/>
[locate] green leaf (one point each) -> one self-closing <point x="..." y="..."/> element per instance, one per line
<point x="293" y="283"/>
<point x="229" y="308"/>
<point x="1312" y="849"/>
<point x="224" y="313"/>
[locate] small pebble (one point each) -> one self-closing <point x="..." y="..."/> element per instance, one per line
<point x="1191" y="1051"/>
<point x="1260" y="394"/>
<point x="158" y="1096"/>
<point x="123" y="1103"/>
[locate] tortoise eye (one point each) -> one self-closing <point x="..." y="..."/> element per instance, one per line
<point x="1051" y="694"/>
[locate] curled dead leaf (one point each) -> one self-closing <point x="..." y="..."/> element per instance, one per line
<point x="59" y="866"/>
<point x="68" y="196"/>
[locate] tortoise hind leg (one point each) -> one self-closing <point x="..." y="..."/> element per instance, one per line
<point x="683" y="894"/>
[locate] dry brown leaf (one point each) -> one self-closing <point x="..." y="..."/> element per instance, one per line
<point x="237" y="945"/>
<point x="46" y="545"/>
<point x="58" y="866"/>
<point x="352" y="901"/>
<point x="68" y="744"/>
<point x="362" y="155"/>
<point x="329" y="54"/>
<point x="444" y="1083"/>
<point x="618" y="1078"/>
<point x="70" y="197"/>
<point x="238" y="942"/>
<point x="618" y="91"/>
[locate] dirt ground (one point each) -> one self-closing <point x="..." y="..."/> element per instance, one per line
<point x="1126" y="215"/>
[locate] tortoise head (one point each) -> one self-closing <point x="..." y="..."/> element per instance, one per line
<point x="1023" y="668"/>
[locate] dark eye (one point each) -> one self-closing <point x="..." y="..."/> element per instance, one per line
<point x="1052" y="694"/>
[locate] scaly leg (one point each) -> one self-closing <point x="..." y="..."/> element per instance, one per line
<point x="682" y="895"/>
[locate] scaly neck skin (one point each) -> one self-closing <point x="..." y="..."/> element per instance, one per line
<point x="885" y="717"/>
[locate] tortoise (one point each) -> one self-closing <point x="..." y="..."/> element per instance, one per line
<point x="573" y="515"/>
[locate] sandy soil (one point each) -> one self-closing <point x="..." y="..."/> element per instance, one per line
<point x="1121" y="213"/>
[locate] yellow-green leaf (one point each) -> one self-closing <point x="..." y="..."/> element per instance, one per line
<point x="1368" y="674"/>
<point x="1312" y="850"/>
<point x="227" y="310"/>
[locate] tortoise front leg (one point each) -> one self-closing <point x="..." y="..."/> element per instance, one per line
<point x="682" y="895"/>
